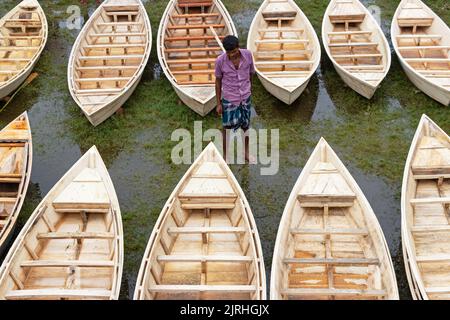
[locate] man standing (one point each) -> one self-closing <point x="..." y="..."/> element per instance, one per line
<point x="234" y="70"/>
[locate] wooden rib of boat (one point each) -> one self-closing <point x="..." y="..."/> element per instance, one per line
<point x="422" y="43"/>
<point x="23" y="35"/>
<point x="285" y="47"/>
<point x="16" y="157"/>
<point x="205" y="244"/>
<point x="329" y="243"/>
<point x="109" y="57"/>
<point x="356" y="45"/>
<point x="189" y="41"/>
<point x="72" y="245"/>
<point x="426" y="213"/>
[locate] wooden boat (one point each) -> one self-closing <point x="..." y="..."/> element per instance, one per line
<point x="422" y="43"/>
<point x="189" y="41"/>
<point x="329" y="243"/>
<point x="24" y="33"/>
<point x="356" y="45"/>
<point x="205" y="244"/>
<point x="72" y="245"/>
<point x="109" y="57"/>
<point x="16" y="159"/>
<point x="426" y="214"/>
<point x="285" y="47"/>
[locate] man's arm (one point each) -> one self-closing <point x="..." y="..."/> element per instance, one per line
<point x="219" y="95"/>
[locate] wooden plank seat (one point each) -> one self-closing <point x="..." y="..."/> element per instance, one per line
<point x="193" y="49"/>
<point x="205" y="258"/>
<point x="349" y="33"/>
<point x="353" y="44"/>
<point x="443" y="200"/>
<point x="280" y="10"/>
<point x="414" y="17"/>
<point x="191" y="38"/>
<point x="283" y="41"/>
<point x="330" y="231"/>
<point x="67" y="263"/>
<point x="97" y="91"/>
<point x="195" y="15"/>
<point x="194" y="3"/>
<point x="205" y="230"/>
<point x="280" y="52"/>
<point x="115" y="79"/>
<point x="332" y="261"/>
<point x="122" y="13"/>
<point x="346" y="12"/>
<point x="202" y="288"/>
<point x="75" y="235"/>
<point x="319" y="201"/>
<point x="433" y="258"/>
<point x="57" y="293"/>
<point x="118" y="34"/>
<point x="437" y="290"/>
<point x="430" y="229"/>
<point x="191" y="61"/>
<point x="357" y="55"/>
<point x="332" y="292"/>
<point x="413" y="48"/>
<point x="115" y="45"/>
<point x="116" y="24"/>
<point x="284" y="62"/>
<point x="201" y="206"/>
<point x="281" y="30"/>
<point x="125" y="7"/>
<point x="7" y="200"/>
<point x="112" y="57"/>
<point x="10" y="177"/>
<point x="20" y="23"/>
<point x="196" y="26"/>
<point x="105" y="68"/>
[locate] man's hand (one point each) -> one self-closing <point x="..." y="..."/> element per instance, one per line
<point x="219" y="109"/>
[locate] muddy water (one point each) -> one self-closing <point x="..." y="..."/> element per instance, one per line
<point x="371" y="137"/>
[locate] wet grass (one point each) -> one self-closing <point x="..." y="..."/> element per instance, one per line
<point x="371" y="137"/>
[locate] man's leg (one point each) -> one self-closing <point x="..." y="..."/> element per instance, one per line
<point x="225" y="131"/>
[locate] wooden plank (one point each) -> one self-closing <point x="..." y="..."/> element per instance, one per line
<point x="75" y="235"/>
<point x="191" y="38"/>
<point x="407" y="48"/>
<point x="349" y="33"/>
<point x="278" y="30"/>
<point x="357" y="55"/>
<point x="269" y="41"/>
<point x="122" y="13"/>
<point x="106" y="68"/>
<point x="115" y="35"/>
<point x="195" y="15"/>
<point x="188" y="72"/>
<point x="437" y="290"/>
<point x="333" y="261"/>
<point x="434" y="258"/>
<point x="431" y="176"/>
<point x="191" y="61"/>
<point x="284" y="62"/>
<point x="353" y="44"/>
<point x="115" y="45"/>
<point x="68" y="263"/>
<point x="196" y="230"/>
<point x="419" y="36"/>
<point x="199" y="206"/>
<point x="331" y="231"/>
<point x="111" y="57"/>
<point x="192" y="49"/>
<point x="333" y="292"/>
<point x="8" y="200"/>
<point x="443" y="200"/>
<point x="57" y="293"/>
<point x="204" y="258"/>
<point x="195" y="26"/>
<point x="102" y="79"/>
<point x="430" y="229"/>
<point x="428" y="60"/>
<point x="202" y="288"/>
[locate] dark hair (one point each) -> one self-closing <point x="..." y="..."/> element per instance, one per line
<point x="230" y="43"/>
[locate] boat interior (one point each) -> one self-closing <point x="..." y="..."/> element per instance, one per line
<point x="14" y="146"/>
<point x="71" y="250"/>
<point x="354" y="42"/>
<point x="330" y="252"/>
<point x="110" y="54"/>
<point x="203" y="247"/>
<point x="283" y="48"/>
<point x="428" y="213"/>
<point x="21" y="37"/>
<point x="424" y="43"/>
<point x="192" y="41"/>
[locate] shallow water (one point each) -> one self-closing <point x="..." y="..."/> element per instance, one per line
<point x="371" y="137"/>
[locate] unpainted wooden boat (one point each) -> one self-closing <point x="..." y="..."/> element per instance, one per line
<point x="426" y="213"/>
<point x="16" y="160"/>
<point x="72" y="245"/>
<point x="189" y="41"/>
<point x="285" y="47"/>
<point x="23" y="35"/>
<point x="329" y="243"/>
<point x="356" y="45"/>
<point x="422" y="42"/>
<point x="205" y="244"/>
<point x="109" y="57"/>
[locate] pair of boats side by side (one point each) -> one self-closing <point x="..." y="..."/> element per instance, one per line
<point x="205" y="244"/>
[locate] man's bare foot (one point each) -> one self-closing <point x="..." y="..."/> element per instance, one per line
<point x="250" y="159"/>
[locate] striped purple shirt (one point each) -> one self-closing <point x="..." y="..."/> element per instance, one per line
<point x="236" y="85"/>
